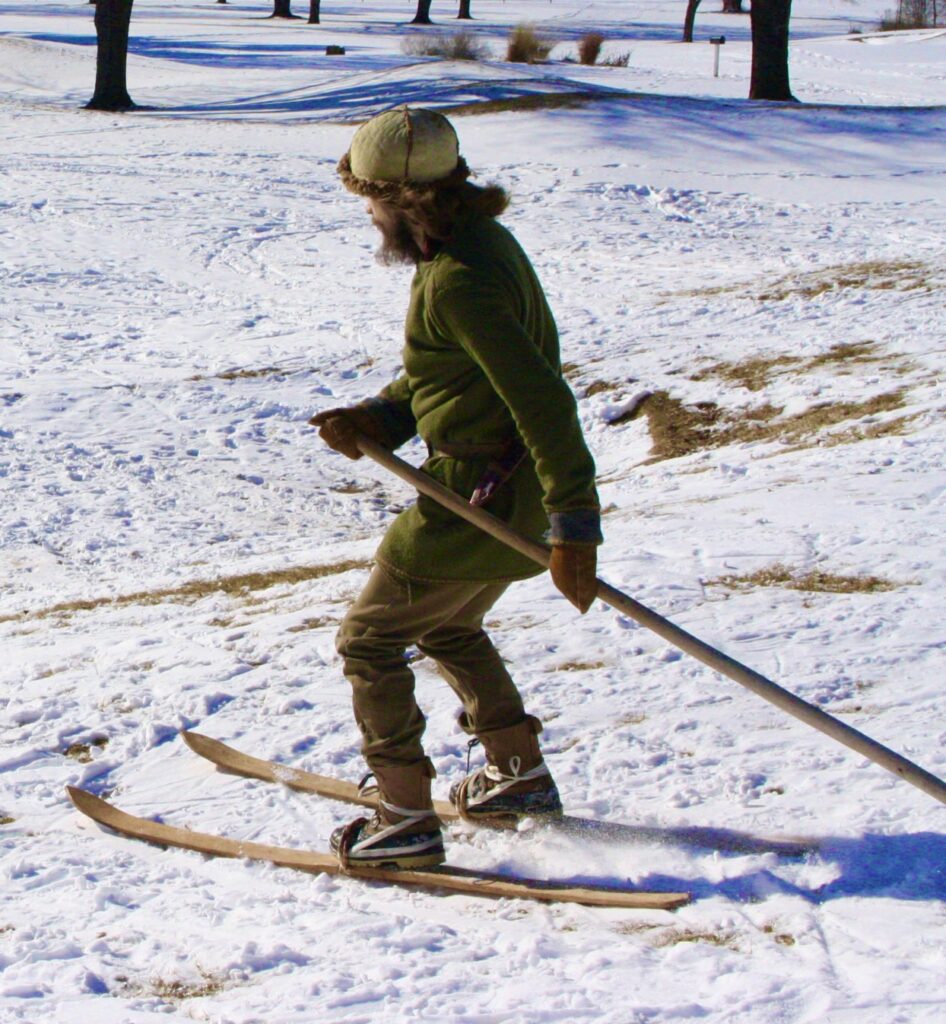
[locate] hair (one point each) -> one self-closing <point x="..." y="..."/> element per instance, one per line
<point x="435" y="206"/>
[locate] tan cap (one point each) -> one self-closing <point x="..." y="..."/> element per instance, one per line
<point x="405" y="145"/>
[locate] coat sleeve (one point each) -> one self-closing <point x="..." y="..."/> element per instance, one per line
<point x="481" y="317"/>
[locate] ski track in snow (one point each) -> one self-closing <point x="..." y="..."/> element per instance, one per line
<point x="178" y="295"/>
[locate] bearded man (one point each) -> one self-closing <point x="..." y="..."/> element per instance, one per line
<point x="482" y="386"/>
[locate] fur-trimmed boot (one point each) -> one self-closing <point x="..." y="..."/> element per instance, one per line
<point x="514" y="784"/>
<point x="404" y="831"/>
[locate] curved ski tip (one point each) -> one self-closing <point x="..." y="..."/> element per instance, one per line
<point x="82" y="800"/>
<point x="195" y="740"/>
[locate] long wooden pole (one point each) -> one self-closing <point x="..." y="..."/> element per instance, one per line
<point x="746" y="677"/>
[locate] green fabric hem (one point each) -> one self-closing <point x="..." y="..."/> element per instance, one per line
<point x="402" y="574"/>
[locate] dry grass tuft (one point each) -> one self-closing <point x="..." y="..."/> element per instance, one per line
<point x="5" y="819"/>
<point x="462" y="45"/>
<point x="782" y="938"/>
<point x="527" y="46"/>
<point x="814" y="581"/>
<point x="589" y="48"/>
<point x="82" y="752"/>
<point x="241" y="585"/>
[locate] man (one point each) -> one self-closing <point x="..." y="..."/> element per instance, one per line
<point x="482" y="385"/>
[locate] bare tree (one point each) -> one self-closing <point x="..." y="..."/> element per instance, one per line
<point x="732" y="7"/>
<point x="770" y="19"/>
<point x="689" y="19"/>
<point x="282" y="9"/>
<point x="422" y="15"/>
<point x="112" y="20"/>
<point x="464" y="12"/>
<point x="315" y="8"/>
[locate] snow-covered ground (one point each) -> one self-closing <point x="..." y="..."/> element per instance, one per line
<point x="182" y="287"/>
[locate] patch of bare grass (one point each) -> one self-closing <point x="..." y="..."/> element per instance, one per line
<point x="527" y="103"/>
<point x="782" y="938"/>
<point x="675" y="936"/>
<point x="242" y="373"/>
<point x="316" y="623"/>
<point x="756" y="373"/>
<point x="5" y="819"/>
<point x="889" y="428"/>
<point x="678" y="429"/>
<point x="579" y="666"/>
<point x="172" y="990"/>
<point x="814" y="581"/>
<point x="240" y="585"/>
<point x="846" y="352"/>
<point x="873" y="275"/>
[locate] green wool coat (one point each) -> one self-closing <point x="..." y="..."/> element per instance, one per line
<point x="481" y="365"/>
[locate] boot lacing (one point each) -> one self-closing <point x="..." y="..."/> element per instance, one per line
<point x="409" y="816"/>
<point x="490" y="781"/>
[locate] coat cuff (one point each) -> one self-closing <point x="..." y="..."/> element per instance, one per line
<point x="396" y="423"/>
<point x="579" y="526"/>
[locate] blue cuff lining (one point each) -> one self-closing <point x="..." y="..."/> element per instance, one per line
<point x="579" y="526"/>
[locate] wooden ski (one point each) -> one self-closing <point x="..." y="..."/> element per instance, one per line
<point x="448" y="879"/>
<point x="236" y="762"/>
<point x="231" y="760"/>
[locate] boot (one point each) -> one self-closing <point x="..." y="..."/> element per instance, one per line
<point x="514" y="784"/>
<point x="404" y="831"/>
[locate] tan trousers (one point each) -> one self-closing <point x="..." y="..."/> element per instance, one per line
<point x="445" y="622"/>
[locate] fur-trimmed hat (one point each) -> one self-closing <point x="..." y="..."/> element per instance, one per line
<point x="402" y="149"/>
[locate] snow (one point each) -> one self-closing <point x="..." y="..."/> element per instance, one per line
<point x="182" y="287"/>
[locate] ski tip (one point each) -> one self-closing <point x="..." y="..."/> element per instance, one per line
<point x="81" y="799"/>
<point x="195" y="740"/>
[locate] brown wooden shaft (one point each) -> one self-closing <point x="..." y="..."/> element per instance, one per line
<point x="747" y="677"/>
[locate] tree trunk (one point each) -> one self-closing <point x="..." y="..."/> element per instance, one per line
<point x="422" y="17"/>
<point x="769" y="19"/>
<point x="314" y="11"/>
<point x="732" y="7"/>
<point x="464" y="12"/>
<point x="689" y="19"/>
<point x="112" y="18"/>
<point x="281" y="9"/>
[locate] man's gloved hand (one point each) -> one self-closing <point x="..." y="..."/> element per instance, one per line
<point x="339" y="428"/>
<point x="573" y="568"/>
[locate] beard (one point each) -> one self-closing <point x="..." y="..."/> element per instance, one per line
<point x="397" y="243"/>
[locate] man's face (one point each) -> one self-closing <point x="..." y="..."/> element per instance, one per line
<point x="397" y="242"/>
